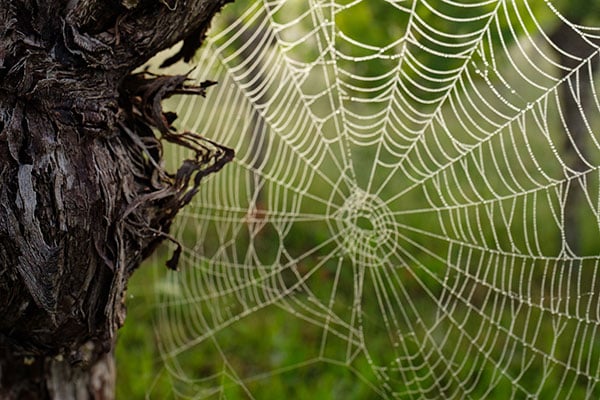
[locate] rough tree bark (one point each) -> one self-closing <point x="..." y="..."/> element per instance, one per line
<point x="83" y="196"/>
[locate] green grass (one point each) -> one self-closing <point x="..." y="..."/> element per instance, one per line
<point x="140" y="369"/>
<point x="269" y="338"/>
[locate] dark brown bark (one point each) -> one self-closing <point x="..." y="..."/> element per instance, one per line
<point x="83" y="196"/>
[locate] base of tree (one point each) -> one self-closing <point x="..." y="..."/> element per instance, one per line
<point x="26" y="377"/>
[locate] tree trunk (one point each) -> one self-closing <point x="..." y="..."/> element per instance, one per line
<point x="83" y="195"/>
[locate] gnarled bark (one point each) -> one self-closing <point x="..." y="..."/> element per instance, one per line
<point x="83" y="196"/>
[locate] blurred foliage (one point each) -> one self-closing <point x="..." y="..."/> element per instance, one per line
<point x="281" y="340"/>
<point x="140" y="369"/>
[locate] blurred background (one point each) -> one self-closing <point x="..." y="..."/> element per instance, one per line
<point x="413" y="211"/>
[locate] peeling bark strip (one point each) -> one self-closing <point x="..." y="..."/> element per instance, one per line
<point x="83" y="196"/>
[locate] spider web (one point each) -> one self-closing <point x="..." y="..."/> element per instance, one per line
<point x="399" y="214"/>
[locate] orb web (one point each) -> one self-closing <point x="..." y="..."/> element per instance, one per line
<point x="398" y="220"/>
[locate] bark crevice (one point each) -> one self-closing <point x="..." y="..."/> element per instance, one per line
<point x="83" y="194"/>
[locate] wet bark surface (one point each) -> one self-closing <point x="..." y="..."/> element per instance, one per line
<point x="83" y="196"/>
